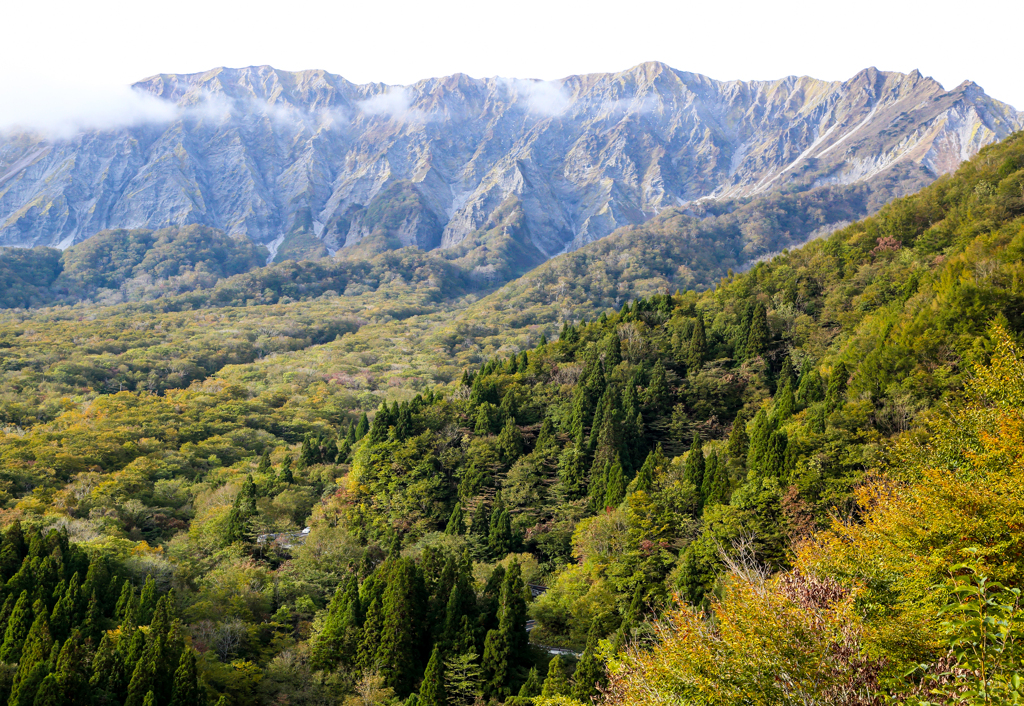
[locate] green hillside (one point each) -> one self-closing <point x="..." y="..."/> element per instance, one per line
<point x="727" y="443"/>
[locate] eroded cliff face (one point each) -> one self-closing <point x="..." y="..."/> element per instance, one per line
<point x="270" y="153"/>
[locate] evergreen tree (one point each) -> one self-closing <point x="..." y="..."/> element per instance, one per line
<point x="836" y="387"/>
<point x="49" y="692"/>
<point x="243" y="512"/>
<point x="455" y="522"/>
<point x="362" y="427"/>
<point x="784" y="404"/>
<point x="738" y="440"/>
<point x="773" y="463"/>
<point x="615" y="485"/>
<point x="147" y="602"/>
<point x="124" y="602"/>
<point x="531" y="688"/>
<point x="556" y="683"/>
<point x="698" y="346"/>
<point x="510" y="442"/>
<point x="402" y="618"/>
<point x="715" y="488"/>
<point x="366" y="656"/>
<point x="286" y="476"/>
<point x="264" y="464"/>
<point x="694" y="468"/>
<point x="759" y="334"/>
<point x="480" y="524"/>
<point x="500" y="540"/>
<point x="546" y="437"/>
<point x="759" y="439"/>
<point x="17" y="630"/>
<point x="657" y="395"/>
<point x="484" y="421"/>
<point x="589" y="673"/>
<point x="186" y="682"/>
<point x="34" y="663"/>
<point x="645" y="478"/>
<point x="810" y="390"/>
<point x="432" y="690"/>
<point x="72" y="674"/>
<point x="571" y="472"/>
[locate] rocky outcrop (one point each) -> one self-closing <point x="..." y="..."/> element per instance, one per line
<point x="269" y="153"/>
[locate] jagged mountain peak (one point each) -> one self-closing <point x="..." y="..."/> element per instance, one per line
<point x="450" y="160"/>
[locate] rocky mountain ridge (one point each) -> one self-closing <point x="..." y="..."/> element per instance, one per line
<point x="450" y="162"/>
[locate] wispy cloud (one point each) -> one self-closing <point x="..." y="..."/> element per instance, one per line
<point x="59" y="111"/>
<point x="395" y="103"/>
<point x="547" y="98"/>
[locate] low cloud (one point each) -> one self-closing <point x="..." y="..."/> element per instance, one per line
<point x="547" y="98"/>
<point x="395" y="103"/>
<point x="61" y="111"/>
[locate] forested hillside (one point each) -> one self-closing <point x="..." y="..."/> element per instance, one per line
<point x="693" y="443"/>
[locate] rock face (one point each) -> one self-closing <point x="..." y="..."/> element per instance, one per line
<point x="272" y="154"/>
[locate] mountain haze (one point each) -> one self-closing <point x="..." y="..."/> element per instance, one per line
<point x="314" y="163"/>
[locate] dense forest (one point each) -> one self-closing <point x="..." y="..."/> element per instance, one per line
<point x="799" y="485"/>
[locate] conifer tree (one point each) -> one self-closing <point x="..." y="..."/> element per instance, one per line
<point x="773" y="463"/>
<point x="759" y="334"/>
<point x="147" y="602"/>
<point x="556" y="683"/>
<point x="810" y="389"/>
<point x="480" y="524"/>
<point x="531" y="688"/>
<point x="362" y="427"/>
<point x="103" y="665"/>
<point x="589" y="674"/>
<point x="615" y="484"/>
<point x="836" y="387"/>
<point x="402" y="617"/>
<point x="186" y="682"/>
<point x="17" y="630"/>
<point x="645" y="478"/>
<point x="510" y="442"/>
<point x="242" y="513"/>
<point x="546" y="437"/>
<point x="455" y="522"/>
<point x="598" y="487"/>
<point x="694" y="468"/>
<point x="34" y="663"/>
<point x="698" y="346"/>
<point x="657" y="391"/>
<point x="500" y="539"/>
<point x="48" y="693"/>
<point x="716" y="481"/>
<point x="264" y="464"/>
<point x="571" y="472"/>
<point x="738" y="440"/>
<point x="508" y="407"/>
<point x="483" y="419"/>
<point x="366" y="656"/>
<point x="759" y="439"/>
<point x="432" y="690"/>
<point x="72" y="674"/>
<point x="784" y="404"/>
<point x="286" y="476"/>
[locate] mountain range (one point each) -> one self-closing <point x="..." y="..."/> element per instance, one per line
<point x="309" y="163"/>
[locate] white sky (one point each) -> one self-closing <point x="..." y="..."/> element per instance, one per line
<point x="61" y="59"/>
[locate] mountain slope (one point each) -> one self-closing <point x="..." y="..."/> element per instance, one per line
<point x="282" y="156"/>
